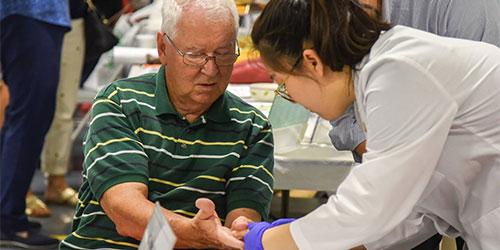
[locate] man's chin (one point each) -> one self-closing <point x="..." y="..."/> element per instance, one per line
<point x="206" y="98"/>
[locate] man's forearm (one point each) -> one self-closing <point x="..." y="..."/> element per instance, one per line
<point x="126" y="205"/>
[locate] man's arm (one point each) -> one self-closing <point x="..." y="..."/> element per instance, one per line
<point x="249" y="187"/>
<point x="127" y="206"/>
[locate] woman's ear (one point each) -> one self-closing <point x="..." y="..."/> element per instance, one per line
<point x="312" y="62"/>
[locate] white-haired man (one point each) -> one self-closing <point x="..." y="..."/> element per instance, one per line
<point x="174" y="137"/>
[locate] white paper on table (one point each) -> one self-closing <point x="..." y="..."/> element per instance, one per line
<point x="131" y="55"/>
<point x="240" y="90"/>
<point x="158" y="234"/>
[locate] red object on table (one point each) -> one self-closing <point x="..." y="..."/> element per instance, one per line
<point x="250" y="71"/>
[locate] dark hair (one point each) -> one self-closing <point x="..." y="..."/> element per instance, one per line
<point x="339" y="30"/>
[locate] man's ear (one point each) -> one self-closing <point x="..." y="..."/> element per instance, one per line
<point x="161" y="47"/>
<point x="312" y="62"/>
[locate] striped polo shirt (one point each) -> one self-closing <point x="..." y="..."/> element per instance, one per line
<point x="136" y="135"/>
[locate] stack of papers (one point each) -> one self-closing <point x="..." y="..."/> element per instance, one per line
<point x="158" y="234"/>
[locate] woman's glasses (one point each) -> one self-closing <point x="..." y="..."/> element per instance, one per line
<point x="281" y="90"/>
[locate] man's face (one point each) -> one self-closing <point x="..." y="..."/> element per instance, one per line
<point x="197" y="86"/>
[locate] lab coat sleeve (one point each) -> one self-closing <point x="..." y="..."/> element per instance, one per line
<point x="408" y="117"/>
<point x="414" y="230"/>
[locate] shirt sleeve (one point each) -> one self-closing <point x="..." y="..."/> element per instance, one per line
<point x="113" y="152"/>
<point x="408" y="118"/>
<point x="251" y="182"/>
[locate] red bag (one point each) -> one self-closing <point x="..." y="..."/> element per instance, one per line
<point x="250" y="71"/>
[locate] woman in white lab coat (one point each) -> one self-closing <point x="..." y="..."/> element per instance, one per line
<point x="430" y="107"/>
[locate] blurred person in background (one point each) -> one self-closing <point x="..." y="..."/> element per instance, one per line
<point x="57" y="148"/>
<point x="31" y="39"/>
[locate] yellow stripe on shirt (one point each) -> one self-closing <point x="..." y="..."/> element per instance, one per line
<point x="120" y="243"/>
<point x="176" y="140"/>
<point x="254" y="167"/>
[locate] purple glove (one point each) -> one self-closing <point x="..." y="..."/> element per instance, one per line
<point x="253" y="239"/>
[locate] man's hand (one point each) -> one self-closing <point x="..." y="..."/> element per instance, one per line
<point x="208" y="224"/>
<point x="240" y="227"/>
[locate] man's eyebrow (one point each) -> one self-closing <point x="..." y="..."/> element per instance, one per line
<point x="195" y="49"/>
<point x="191" y="49"/>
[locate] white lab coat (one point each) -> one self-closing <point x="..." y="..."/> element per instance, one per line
<point x="431" y="108"/>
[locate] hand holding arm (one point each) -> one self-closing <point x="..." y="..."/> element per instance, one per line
<point x="127" y="206"/>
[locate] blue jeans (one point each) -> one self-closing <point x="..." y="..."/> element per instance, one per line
<point x="30" y="57"/>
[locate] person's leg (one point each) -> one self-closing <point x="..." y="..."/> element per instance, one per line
<point x="30" y="57"/>
<point x="430" y="244"/>
<point x="57" y="148"/>
<point x="460" y="243"/>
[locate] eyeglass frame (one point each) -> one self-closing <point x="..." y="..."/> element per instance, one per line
<point x="207" y="57"/>
<point x="281" y="89"/>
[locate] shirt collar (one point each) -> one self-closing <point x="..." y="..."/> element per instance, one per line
<point x="163" y="104"/>
<point x="219" y="111"/>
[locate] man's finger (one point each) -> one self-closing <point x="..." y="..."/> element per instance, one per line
<point x="240" y="223"/>
<point x="206" y="209"/>
<point x="239" y="234"/>
<point x="225" y="236"/>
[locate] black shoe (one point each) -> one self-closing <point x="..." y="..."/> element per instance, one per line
<point x="35" y="240"/>
<point x="34" y="226"/>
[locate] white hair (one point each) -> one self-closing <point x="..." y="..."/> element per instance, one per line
<point x="217" y="10"/>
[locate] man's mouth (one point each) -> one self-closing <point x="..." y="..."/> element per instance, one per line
<point x="207" y="84"/>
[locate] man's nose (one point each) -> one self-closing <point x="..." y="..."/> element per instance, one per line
<point x="210" y="68"/>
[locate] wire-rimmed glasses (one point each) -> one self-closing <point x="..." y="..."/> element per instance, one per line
<point x="196" y="59"/>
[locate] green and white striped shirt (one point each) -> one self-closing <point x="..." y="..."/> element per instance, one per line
<point x="136" y="135"/>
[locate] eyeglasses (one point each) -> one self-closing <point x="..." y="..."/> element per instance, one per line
<point x="195" y="59"/>
<point x="281" y="90"/>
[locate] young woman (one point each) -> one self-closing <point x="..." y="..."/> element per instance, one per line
<point x="430" y="107"/>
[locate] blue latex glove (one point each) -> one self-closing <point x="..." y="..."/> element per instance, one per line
<point x="253" y="239"/>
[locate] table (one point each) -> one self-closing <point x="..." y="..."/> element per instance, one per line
<point x="312" y="167"/>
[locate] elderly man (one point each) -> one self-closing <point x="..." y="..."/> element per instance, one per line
<point x="174" y="137"/>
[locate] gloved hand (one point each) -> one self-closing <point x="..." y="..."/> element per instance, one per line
<point x="253" y="239"/>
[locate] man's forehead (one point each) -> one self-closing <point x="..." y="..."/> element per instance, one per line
<point x="200" y="33"/>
